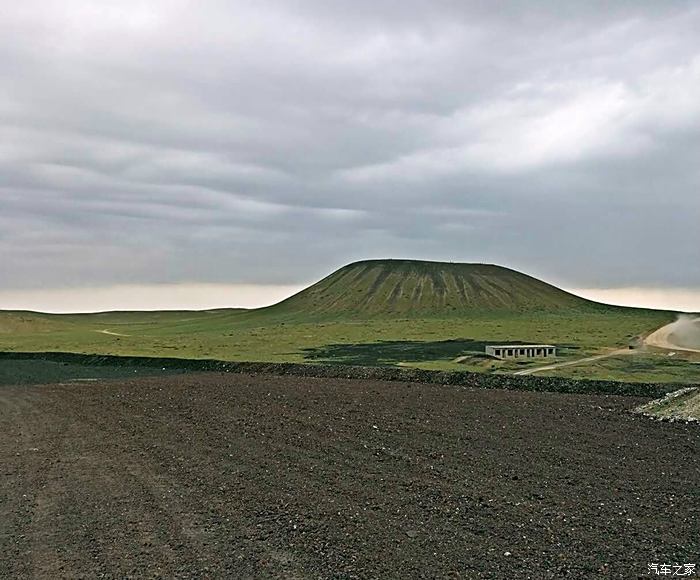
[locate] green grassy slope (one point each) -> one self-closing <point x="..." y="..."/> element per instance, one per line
<point x="391" y="288"/>
<point x="395" y="312"/>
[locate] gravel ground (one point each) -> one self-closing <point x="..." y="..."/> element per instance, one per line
<point x="681" y="405"/>
<point x="244" y="476"/>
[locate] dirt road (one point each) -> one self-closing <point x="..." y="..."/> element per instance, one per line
<point x="551" y="367"/>
<point x="111" y="333"/>
<point x="239" y="476"/>
<point x="665" y="337"/>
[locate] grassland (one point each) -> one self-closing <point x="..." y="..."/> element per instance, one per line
<point x="416" y="289"/>
<point x="645" y="365"/>
<point x="415" y="314"/>
<point x="431" y="343"/>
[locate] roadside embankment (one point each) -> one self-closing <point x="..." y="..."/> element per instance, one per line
<point x="682" y="405"/>
<point x="454" y="378"/>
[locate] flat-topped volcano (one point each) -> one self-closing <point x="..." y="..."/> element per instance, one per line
<point x="407" y="288"/>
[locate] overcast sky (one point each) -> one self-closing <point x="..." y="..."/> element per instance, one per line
<point x="232" y="142"/>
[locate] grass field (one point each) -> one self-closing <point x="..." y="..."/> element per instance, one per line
<point x="426" y="343"/>
<point x="404" y="313"/>
<point x="640" y="366"/>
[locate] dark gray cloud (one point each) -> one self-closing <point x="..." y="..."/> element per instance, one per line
<point x="269" y="142"/>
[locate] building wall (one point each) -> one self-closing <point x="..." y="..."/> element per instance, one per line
<point x="516" y="351"/>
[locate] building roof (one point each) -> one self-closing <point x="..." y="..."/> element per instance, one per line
<point x="521" y="346"/>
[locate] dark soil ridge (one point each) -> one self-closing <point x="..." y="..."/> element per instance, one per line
<point x="454" y="378"/>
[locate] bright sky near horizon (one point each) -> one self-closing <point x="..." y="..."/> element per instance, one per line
<point x="253" y="147"/>
<point x="210" y="296"/>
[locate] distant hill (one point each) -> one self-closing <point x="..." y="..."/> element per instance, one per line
<point x="411" y="288"/>
<point x="383" y="312"/>
<point x="18" y="321"/>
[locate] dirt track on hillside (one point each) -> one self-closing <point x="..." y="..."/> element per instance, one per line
<point x="111" y="333"/>
<point x="214" y="476"/>
<point x="663" y="337"/>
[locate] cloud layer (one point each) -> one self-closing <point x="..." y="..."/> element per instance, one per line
<point x="270" y="142"/>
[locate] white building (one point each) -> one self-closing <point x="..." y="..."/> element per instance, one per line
<point x="522" y="350"/>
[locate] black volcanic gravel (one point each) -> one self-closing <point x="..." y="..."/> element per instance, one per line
<point x="243" y="476"/>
